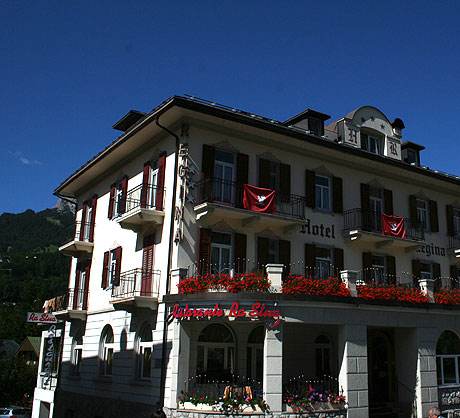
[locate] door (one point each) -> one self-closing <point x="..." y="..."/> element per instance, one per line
<point x="147" y="265"/>
<point x="152" y="198"/>
<point x="224" y="177"/>
<point x="376" y="209"/>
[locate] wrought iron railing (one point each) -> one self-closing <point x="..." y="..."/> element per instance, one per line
<point x="209" y="385"/>
<point x="230" y="193"/>
<point x="137" y="282"/>
<point x="372" y="222"/>
<point x="142" y="196"/>
<point x="77" y="232"/>
<point x="301" y="386"/>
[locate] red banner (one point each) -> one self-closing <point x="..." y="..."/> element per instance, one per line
<point x="393" y="226"/>
<point x="258" y="199"/>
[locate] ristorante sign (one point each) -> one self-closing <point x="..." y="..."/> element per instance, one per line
<point x="257" y="311"/>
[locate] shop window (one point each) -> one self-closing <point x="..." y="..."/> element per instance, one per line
<point x="144" y="352"/>
<point x="255" y="354"/>
<point x="76" y="354"/>
<point x="448" y="359"/>
<point x="106" y="349"/>
<point x="323" y="192"/>
<point x="323" y="356"/>
<point x="216" y="353"/>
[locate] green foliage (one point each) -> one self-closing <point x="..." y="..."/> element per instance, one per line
<point x="16" y="379"/>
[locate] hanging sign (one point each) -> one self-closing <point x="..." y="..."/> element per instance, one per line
<point x="257" y="311"/>
<point x="41" y="318"/>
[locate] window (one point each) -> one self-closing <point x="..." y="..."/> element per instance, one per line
<point x="372" y="143"/>
<point x="323" y="356"/>
<point x="111" y="267"/>
<point x="106" y="347"/>
<point x="422" y="214"/>
<point x="323" y="262"/>
<point x="378" y="269"/>
<point x="376" y="201"/>
<point x="456" y="216"/>
<point x="76" y="354"/>
<point x="255" y="354"/>
<point x="448" y="359"/>
<point x="315" y="126"/>
<point x="145" y="349"/>
<point x="323" y="192"/>
<point x="215" y="353"/>
<point x="224" y="176"/>
<point x="425" y="271"/>
<point x="87" y="221"/>
<point x="80" y="290"/>
<point x="221" y="252"/>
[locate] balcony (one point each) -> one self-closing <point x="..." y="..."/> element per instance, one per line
<point x="74" y="306"/>
<point x="142" y="205"/>
<point x="453" y="250"/>
<point x="78" y="241"/>
<point x="136" y="288"/>
<point x="365" y="229"/>
<point x="216" y="198"/>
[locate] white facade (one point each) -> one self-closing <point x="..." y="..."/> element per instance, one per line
<point x="332" y="190"/>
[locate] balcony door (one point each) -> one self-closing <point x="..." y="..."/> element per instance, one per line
<point x="147" y="265"/>
<point x="153" y="181"/>
<point x="224" y="175"/>
<point x="376" y="200"/>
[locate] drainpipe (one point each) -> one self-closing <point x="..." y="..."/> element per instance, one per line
<point x="171" y="240"/>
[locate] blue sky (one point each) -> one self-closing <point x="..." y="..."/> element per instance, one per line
<point x="71" y="69"/>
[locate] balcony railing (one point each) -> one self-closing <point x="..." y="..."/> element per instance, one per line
<point x="141" y="197"/>
<point x="230" y="193"/>
<point x="77" y="232"/>
<point x="137" y="283"/>
<point x="454" y="242"/>
<point x="372" y="222"/>
<point x="77" y="300"/>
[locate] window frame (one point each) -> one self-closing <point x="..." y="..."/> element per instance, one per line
<point x="322" y="348"/>
<point x="221" y="269"/>
<point x="423" y="212"/>
<point x="440" y="369"/>
<point x="456" y="221"/>
<point x="142" y="346"/>
<point x="323" y="263"/>
<point x="76" y="354"/>
<point x="319" y="194"/>
<point x="106" y="352"/>
<point x="378" y="142"/>
<point x="379" y="267"/>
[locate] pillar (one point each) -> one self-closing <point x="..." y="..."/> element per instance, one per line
<point x="349" y="278"/>
<point x="176" y="276"/>
<point x="273" y="368"/>
<point x="275" y="275"/>
<point x="353" y="379"/>
<point x="427" y="288"/>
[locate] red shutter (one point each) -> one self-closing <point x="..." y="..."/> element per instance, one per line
<point x="124" y="192"/>
<point x="116" y="279"/>
<point x="147" y="265"/>
<point x="86" y="289"/>
<point x="83" y="222"/>
<point x="76" y="286"/>
<point x="93" y="218"/>
<point x="145" y="185"/>
<point x="160" y="182"/>
<point x="111" y="200"/>
<point x="105" y="269"/>
<point x="204" y="250"/>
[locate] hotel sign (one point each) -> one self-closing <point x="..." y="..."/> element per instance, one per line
<point x="257" y="311"/>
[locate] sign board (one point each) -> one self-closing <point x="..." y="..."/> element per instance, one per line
<point x="257" y="311"/>
<point x="41" y="318"/>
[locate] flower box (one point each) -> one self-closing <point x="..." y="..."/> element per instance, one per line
<point x="246" y="409"/>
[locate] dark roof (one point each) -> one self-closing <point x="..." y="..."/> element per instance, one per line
<point x="128" y="120"/>
<point x="413" y="145"/>
<point x="305" y="114"/>
<point x="240" y="116"/>
<point x="397" y="123"/>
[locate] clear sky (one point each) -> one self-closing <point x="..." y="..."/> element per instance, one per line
<point x="70" y="69"/>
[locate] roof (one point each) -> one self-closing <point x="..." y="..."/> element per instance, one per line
<point x="254" y="120"/>
<point x="305" y="114"/>
<point x="128" y="120"/>
<point x="8" y="347"/>
<point x="30" y="343"/>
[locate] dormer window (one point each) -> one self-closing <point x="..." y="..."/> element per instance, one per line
<point x="372" y="143"/>
<point x="316" y="126"/>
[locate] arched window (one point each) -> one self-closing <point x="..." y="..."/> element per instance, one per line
<point x="106" y="346"/>
<point x="76" y="354"/>
<point x="255" y="353"/>
<point x="448" y="358"/>
<point x="144" y="352"/>
<point x="323" y="355"/>
<point x="215" y="353"/>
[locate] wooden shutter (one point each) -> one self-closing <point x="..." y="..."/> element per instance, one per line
<point x="285" y="255"/>
<point x="242" y="168"/>
<point x="415" y="272"/>
<point x="83" y="221"/>
<point x="436" y="276"/>
<point x="124" y="192"/>
<point x="310" y="260"/>
<point x="454" y="276"/>
<point x="310" y="188"/>
<point x="450" y="220"/>
<point x="86" y="289"/>
<point x="285" y="181"/>
<point x="367" y="265"/>
<point x="262" y="252"/>
<point x="239" y="253"/>
<point x="147" y="264"/>
<point x="105" y="269"/>
<point x="434" y="225"/>
<point x="111" y="201"/>
<point x="145" y="185"/>
<point x="207" y="165"/>
<point x="93" y="218"/>
<point x="338" y="261"/>
<point x="337" y="195"/>
<point x="391" y="269"/>
<point x="77" y="285"/>
<point x="366" y="217"/>
<point x="160" y="182"/>
<point x="264" y="173"/>
<point x="388" y="201"/>
<point x="204" y="250"/>
<point x="116" y="279"/>
<point x="413" y="211"/>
